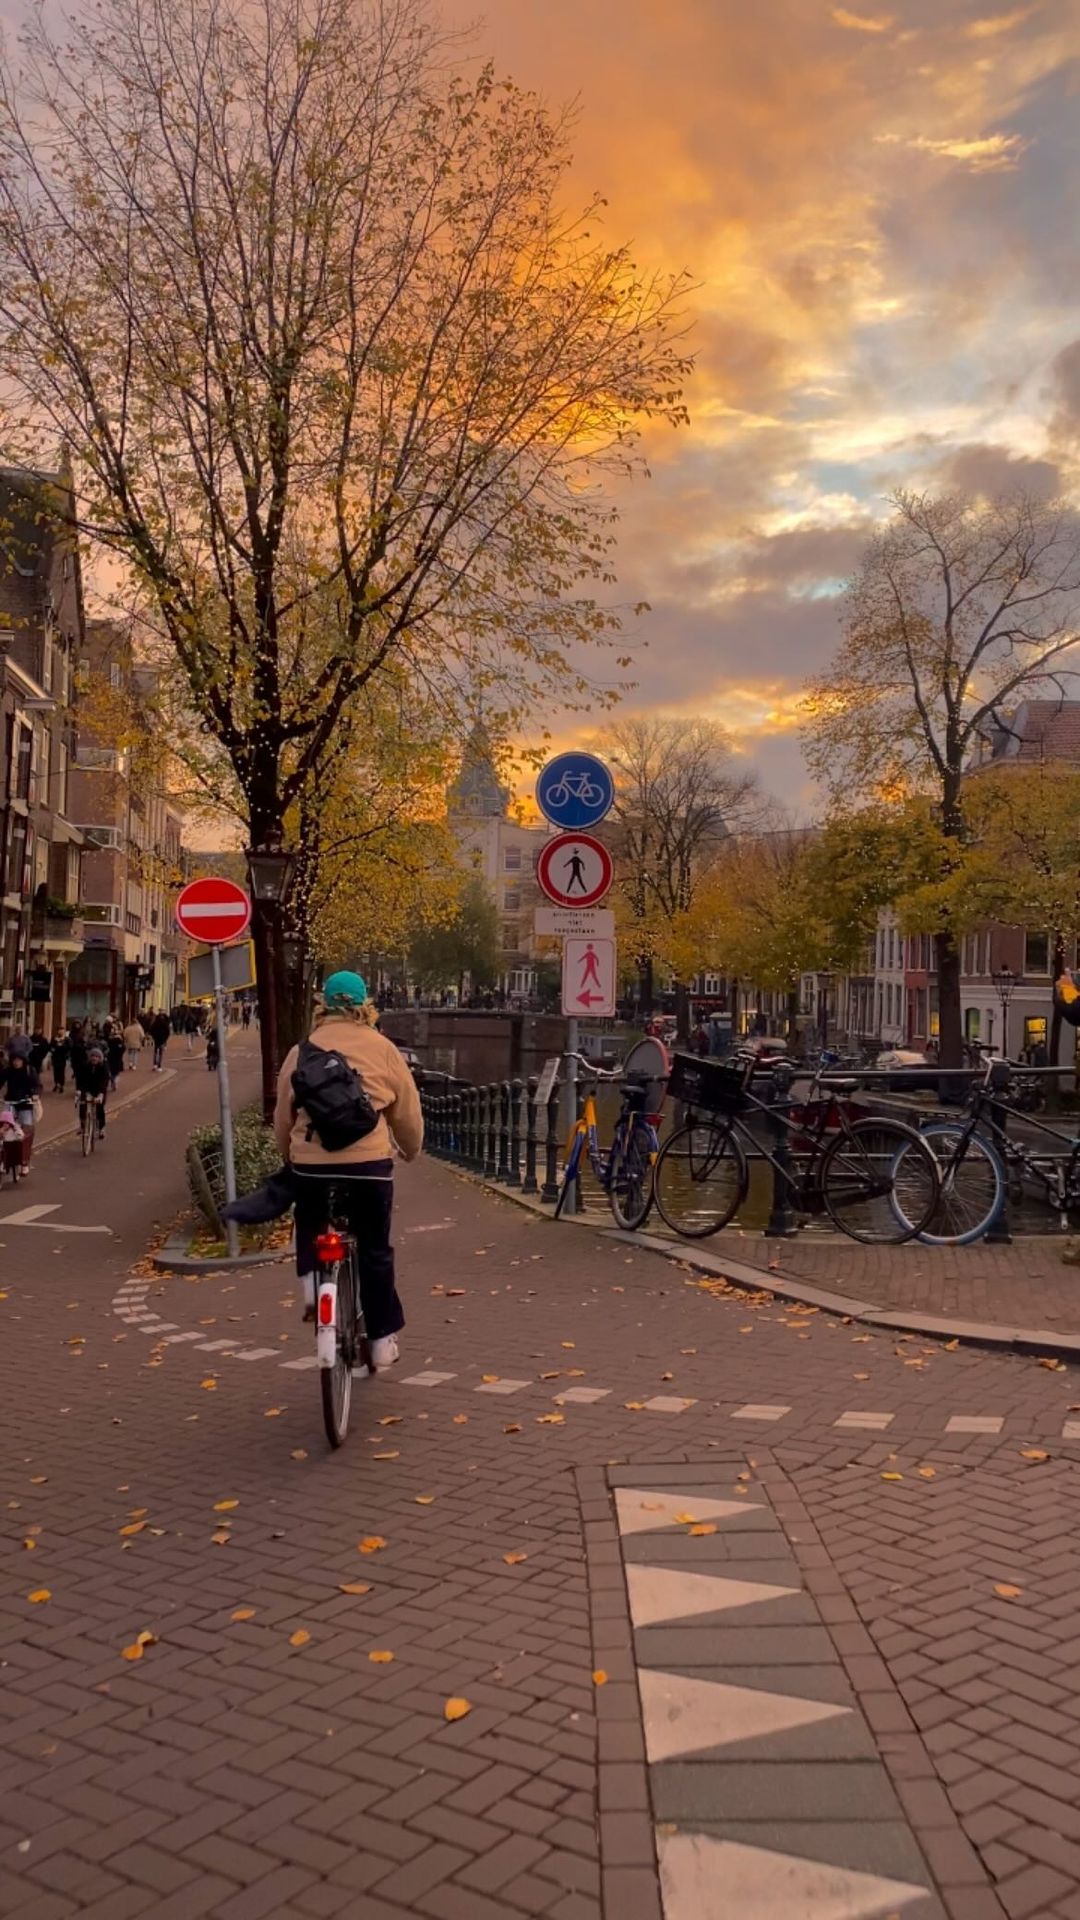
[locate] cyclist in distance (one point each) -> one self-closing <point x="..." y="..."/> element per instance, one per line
<point x="363" y="1088"/>
<point x="93" y="1080"/>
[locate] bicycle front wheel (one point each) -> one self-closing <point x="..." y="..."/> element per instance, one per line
<point x="630" y="1177"/>
<point x="86" y="1123"/>
<point x="973" y="1182"/>
<point x="336" y="1381"/>
<point x="701" y="1179"/>
<point x="879" y="1182"/>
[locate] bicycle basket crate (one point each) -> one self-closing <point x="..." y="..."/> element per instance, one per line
<point x="712" y="1086"/>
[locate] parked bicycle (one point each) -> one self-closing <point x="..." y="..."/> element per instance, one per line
<point x="876" y="1178"/>
<point x="978" y="1159"/>
<point x="625" y="1169"/>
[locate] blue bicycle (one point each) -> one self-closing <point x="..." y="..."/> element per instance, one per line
<point x="625" y="1169"/>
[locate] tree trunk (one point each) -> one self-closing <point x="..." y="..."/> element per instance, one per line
<point x="951" y="1049"/>
<point x="682" y="1013"/>
<point x="269" y="980"/>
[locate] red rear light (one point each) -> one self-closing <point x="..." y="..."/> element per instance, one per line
<point x="326" y="1308"/>
<point x="329" y="1247"/>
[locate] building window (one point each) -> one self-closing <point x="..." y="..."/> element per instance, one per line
<point x="510" y="937"/>
<point x="972" y="1022"/>
<point x="1036" y="953"/>
<point x="512" y="899"/>
<point x="1035" y="1031"/>
<point x="713" y="985"/>
<point x="512" y="860"/>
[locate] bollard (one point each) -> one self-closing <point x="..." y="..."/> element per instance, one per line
<point x="455" y="1123"/>
<point x="551" y="1149"/>
<point x="513" y="1174"/>
<point x="782" y="1222"/>
<point x="439" y="1129"/>
<point x="504" y="1133"/>
<point x="478" y="1135"/>
<point x="474" y="1126"/>
<point x="530" y="1183"/>
<point x="491" y="1161"/>
<point x="999" y="1233"/>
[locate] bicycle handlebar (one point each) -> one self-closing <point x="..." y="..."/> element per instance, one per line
<point x="593" y="1068"/>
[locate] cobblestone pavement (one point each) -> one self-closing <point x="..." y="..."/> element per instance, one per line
<point x="775" y="1606"/>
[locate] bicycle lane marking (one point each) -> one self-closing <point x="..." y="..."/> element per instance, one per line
<point x="35" y="1217"/>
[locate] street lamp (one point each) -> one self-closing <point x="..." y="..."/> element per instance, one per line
<point x="270" y="871"/>
<point x="1004" y="980"/>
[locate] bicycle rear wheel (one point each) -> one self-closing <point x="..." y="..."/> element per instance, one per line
<point x="336" y="1381"/>
<point x="701" y="1178"/>
<point x="630" y="1177"/>
<point x="880" y="1182"/>
<point x="973" y="1182"/>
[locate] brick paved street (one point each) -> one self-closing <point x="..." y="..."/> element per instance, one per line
<point x="828" y="1576"/>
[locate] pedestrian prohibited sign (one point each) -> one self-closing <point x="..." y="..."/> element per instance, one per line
<point x="589" y="977"/>
<point x="574" y="870"/>
<point x="575" y="790"/>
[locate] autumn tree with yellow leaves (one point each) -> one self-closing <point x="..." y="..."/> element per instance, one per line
<point x="339" y="373"/>
<point x="958" y="609"/>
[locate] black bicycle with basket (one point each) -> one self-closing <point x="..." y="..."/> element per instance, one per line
<point x="875" y="1177"/>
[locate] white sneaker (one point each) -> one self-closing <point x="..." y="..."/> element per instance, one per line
<point x="384" y="1352"/>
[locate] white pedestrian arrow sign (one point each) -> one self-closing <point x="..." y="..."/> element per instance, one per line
<point x="588" y="985"/>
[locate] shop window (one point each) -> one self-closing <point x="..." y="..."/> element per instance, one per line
<point x="1035" y="1031"/>
<point x="972" y="1023"/>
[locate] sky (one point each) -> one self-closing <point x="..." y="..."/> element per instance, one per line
<point x="878" y="206"/>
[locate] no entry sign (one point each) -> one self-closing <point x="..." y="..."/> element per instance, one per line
<point x="574" y="870"/>
<point x="213" y="910"/>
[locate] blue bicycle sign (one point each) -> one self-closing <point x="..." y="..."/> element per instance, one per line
<point x="575" y="790"/>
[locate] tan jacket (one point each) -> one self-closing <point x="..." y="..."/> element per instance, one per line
<point x="389" y="1086"/>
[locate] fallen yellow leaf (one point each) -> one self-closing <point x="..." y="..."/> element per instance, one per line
<point x="381" y="1657"/>
<point x="1005" y="1592"/>
<point x="489" y="1378"/>
<point x="667" y="1376"/>
<point x="137" y="1513"/>
<point x="682" y="1519"/>
<point x="514" y="1427"/>
<point x="457" y="1709"/>
<point x="393" y="1454"/>
<point x="244" y="1613"/>
<point x="272" y="1413"/>
<point x="549" y="1376"/>
<point x="461" y="1419"/>
<point x="208" y="1386"/>
<point x="225" y="1506"/>
<point x="599" y="1678"/>
<point x="372" y="1543"/>
<point x="300" y="1638"/>
<point x="892" y="1476"/>
<point x="550" y="1419"/>
<point x="1053" y="1366"/>
<point x="514" y="1559"/>
<point x="135" y="1527"/>
<point x="634" y="1406"/>
<point x="926" y="1473"/>
<point x="353" y="1586"/>
<point x="1033" y="1453"/>
<point x="221" y="1538"/>
<point x="39" y="1479"/>
<point x="425" y="1499"/>
<point x="951" y="1346"/>
<point x="568" y="1343"/>
<point x="299" y="1453"/>
<point x="39" y="1596"/>
<point x="391" y="1419"/>
<point x="700" y="1529"/>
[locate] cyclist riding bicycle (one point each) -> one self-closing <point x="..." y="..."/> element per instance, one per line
<point x="345" y="1099"/>
<point x="92" y="1081"/>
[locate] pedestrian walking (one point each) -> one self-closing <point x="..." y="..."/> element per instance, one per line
<point x="59" y="1055"/>
<point x="114" y="1053"/>
<point x="212" y="1051"/>
<point x="134" y="1039"/>
<point x="160" y="1029"/>
<point x="246" y="1015"/>
<point x="20" y="1084"/>
<point x="344" y="1097"/>
<point x="192" y="1028"/>
<point x="39" y="1050"/>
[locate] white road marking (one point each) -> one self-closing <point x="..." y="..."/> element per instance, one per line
<point x="702" y="1878"/>
<point x="502" y="1386"/>
<point x="759" y="1413"/>
<point x="667" y="1403"/>
<point x="427" y="1379"/>
<point x="876" y="1422"/>
<point x="581" y="1396"/>
<point x="685" y="1715"/>
<point x="640" y="1511"/>
<point x="658" y="1594"/>
<point x="973" y="1423"/>
<point x="34" y="1217"/>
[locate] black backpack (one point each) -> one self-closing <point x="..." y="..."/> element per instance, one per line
<point x="332" y="1095"/>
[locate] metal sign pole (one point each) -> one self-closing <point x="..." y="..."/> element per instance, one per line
<point x="231" y="1238"/>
